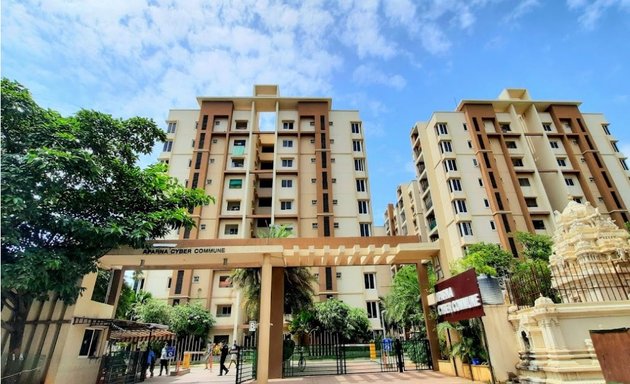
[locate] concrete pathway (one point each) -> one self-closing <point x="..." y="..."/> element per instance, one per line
<point x="199" y="375"/>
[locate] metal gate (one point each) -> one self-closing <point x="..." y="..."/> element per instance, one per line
<point x="122" y="367"/>
<point x="326" y="354"/>
<point x="246" y="366"/>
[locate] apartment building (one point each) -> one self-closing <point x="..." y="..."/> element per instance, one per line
<point x="270" y="160"/>
<point x="495" y="167"/>
<point x="404" y="218"/>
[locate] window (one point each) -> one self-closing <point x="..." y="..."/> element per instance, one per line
<point x="450" y="165"/>
<point x="314" y="225"/>
<point x="493" y="226"/>
<point x="505" y="127"/>
<point x="287" y="183"/>
<point x="510" y="144"/>
<point x="193" y="144"/>
<point x="225" y="282"/>
<point x="360" y="185"/>
<point x="287" y="163"/>
<point x="286" y="205"/>
<point x="547" y="127"/>
<point x="364" y="228"/>
<point x="569" y="181"/>
<point x="562" y="162"/>
<point x="460" y="206"/>
<point x="287" y="125"/>
<point x="538" y="224"/>
<point x="356" y="145"/>
<point x="554" y="144"/>
<point x="234" y="206"/>
<point x="169" y="282"/>
<point x="313" y="181"/>
<point x="372" y="309"/>
<point x="480" y="180"/>
<point x="469" y="144"/>
<point x="241" y="125"/>
<point x="89" y="345"/>
<point x="359" y="165"/>
<point x="168" y="146"/>
<point x="531" y="202"/>
<point x="236" y="183"/>
<point x="465" y="126"/>
<point x="446" y="146"/>
<point x="517" y="162"/>
<point x="195" y="279"/>
<point x="335" y="225"/>
<point x="355" y="127"/>
<point x="171" y="127"/>
<point x="623" y="164"/>
<point x="287" y="143"/>
<point x="334" y="202"/>
<point x="264" y="202"/>
<point x="614" y="146"/>
<point x="454" y="185"/>
<point x="363" y="206"/>
<point x="224" y="310"/>
<point x="486" y="203"/>
<point x="440" y="129"/>
<point x="523" y="182"/>
<point x="475" y="163"/>
<point x="231" y="229"/>
<point x="238" y="163"/>
<point x="465" y="228"/>
<point x="266" y="149"/>
<point x="605" y="128"/>
<point x="313" y="160"/>
<point x="203" y="227"/>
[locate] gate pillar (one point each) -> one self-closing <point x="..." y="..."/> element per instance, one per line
<point x="423" y="280"/>
<point x="264" y="326"/>
<point x="277" y="323"/>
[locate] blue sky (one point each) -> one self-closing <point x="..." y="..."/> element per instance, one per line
<point x="396" y="61"/>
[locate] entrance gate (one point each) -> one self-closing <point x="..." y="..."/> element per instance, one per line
<point x="326" y="354"/>
<point x="246" y="364"/>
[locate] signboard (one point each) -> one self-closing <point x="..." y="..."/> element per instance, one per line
<point x="182" y="251"/>
<point x="252" y="326"/>
<point x="170" y="352"/>
<point x="458" y="298"/>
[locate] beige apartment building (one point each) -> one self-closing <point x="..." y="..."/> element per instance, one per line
<point x="495" y="167"/>
<point x="405" y="217"/>
<point x="270" y="160"/>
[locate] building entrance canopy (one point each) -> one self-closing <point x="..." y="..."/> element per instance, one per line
<point x="287" y="252"/>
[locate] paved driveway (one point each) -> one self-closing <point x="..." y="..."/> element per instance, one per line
<point x="200" y="375"/>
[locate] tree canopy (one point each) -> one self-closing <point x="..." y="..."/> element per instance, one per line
<point x="333" y="316"/>
<point x="298" y="281"/>
<point x="535" y="246"/>
<point x="71" y="192"/>
<point x="486" y="258"/>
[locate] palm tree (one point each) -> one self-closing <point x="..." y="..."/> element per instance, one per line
<point x="298" y="281"/>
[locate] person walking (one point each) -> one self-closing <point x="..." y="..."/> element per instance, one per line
<point x="151" y="360"/>
<point x="224" y="352"/>
<point x="164" y="360"/>
<point x="234" y="355"/>
<point x="209" y="356"/>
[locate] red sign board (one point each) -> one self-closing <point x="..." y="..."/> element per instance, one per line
<point x="458" y="298"/>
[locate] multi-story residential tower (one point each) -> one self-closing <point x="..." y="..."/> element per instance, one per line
<point x="270" y="160"/>
<point x="404" y="218"/>
<point x="495" y="167"/>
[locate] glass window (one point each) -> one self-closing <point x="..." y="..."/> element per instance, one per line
<point x="372" y="309"/>
<point x="369" y="280"/>
<point x="287" y="183"/>
<point x="236" y="183"/>
<point x="89" y="345"/>
<point x="224" y="310"/>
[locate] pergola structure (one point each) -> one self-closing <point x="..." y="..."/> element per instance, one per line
<point x="272" y="256"/>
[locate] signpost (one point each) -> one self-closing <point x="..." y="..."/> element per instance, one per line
<point x="458" y="298"/>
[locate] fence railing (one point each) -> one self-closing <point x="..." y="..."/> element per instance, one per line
<point x="571" y="283"/>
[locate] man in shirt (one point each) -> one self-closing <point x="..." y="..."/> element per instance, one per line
<point x="164" y="360"/>
<point x="151" y="360"/>
<point x="224" y="352"/>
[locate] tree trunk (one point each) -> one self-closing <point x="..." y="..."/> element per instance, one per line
<point x="20" y="307"/>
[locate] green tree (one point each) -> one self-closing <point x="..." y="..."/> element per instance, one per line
<point x="486" y="258"/>
<point x="154" y="311"/>
<point x="332" y="316"/>
<point x="535" y="246"/>
<point x="191" y="319"/>
<point x="402" y="304"/>
<point x="126" y="301"/>
<point x="71" y="192"/>
<point x="298" y="281"/>
<point x="359" y="327"/>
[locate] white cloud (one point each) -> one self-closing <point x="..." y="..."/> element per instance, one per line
<point x="592" y="11"/>
<point x="366" y="74"/>
<point x="523" y="7"/>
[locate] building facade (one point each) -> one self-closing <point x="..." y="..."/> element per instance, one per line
<point x="496" y="167"/>
<point x="270" y="160"/>
<point x="404" y="218"/>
